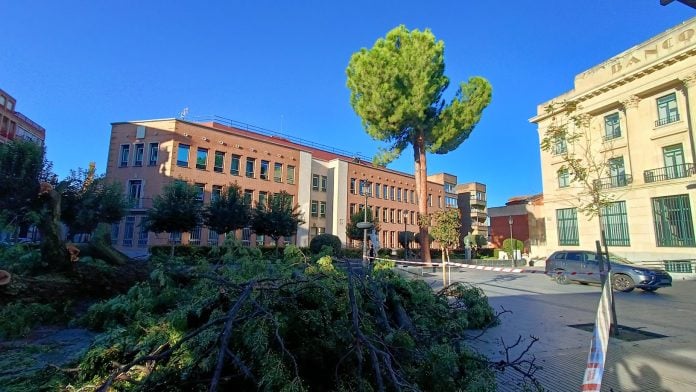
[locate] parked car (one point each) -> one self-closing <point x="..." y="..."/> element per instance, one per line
<point x="583" y="266"/>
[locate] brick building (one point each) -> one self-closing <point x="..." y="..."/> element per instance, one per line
<point x="15" y="125"/>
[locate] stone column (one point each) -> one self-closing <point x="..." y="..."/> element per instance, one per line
<point x="689" y="91"/>
<point x="631" y="124"/>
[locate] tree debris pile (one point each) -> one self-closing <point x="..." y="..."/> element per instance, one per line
<point x="234" y="321"/>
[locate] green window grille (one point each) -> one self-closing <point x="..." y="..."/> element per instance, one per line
<point x="673" y="222"/>
<point x="679" y="266"/>
<point x="615" y="224"/>
<point x="563" y="178"/>
<point x="667" y="110"/>
<point x="567" y="221"/>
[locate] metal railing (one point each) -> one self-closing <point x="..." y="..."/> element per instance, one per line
<point x="267" y="132"/>
<point x="686" y="266"/>
<point x="669" y="172"/>
<point x="614" y="181"/>
<point x="667" y="120"/>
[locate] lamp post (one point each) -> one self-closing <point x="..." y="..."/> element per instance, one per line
<point x="405" y="236"/>
<point x="365" y="187"/>
<point x="512" y="245"/>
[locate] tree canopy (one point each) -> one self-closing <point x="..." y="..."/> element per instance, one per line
<point x="396" y="89"/>
<point x="177" y="209"/>
<point x="21" y="168"/>
<point x="352" y="230"/>
<point x="228" y="212"/>
<point x="277" y="217"/>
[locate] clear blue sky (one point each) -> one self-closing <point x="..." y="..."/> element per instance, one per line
<point x="77" y="66"/>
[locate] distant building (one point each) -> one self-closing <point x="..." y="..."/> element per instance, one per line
<point x="15" y="125"/>
<point x="528" y="223"/>
<point x="471" y="198"/>
<point x="327" y="183"/>
<point x="640" y="107"/>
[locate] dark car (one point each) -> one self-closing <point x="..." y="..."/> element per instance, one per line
<point x="583" y="266"/>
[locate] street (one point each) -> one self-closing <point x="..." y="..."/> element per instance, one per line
<point x="540" y="307"/>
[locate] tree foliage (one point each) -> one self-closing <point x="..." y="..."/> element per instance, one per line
<point x="396" y="89"/>
<point x="228" y="212"/>
<point x="352" y="230"/>
<point x="245" y="325"/>
<point x="326" y="239"/>
<point x="445" y="228"/>
<point x="88" y="200"/>
<point x="277" y="217"/>
<point x="177" y="209"/>
<point x="405" y="238"/>
<point x="21" y="168"/>
<point x="512" y="244"/>
<point x="475" y="240"/>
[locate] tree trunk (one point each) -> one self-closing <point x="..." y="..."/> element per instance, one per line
<point x="53" y="251"/>
<point x="421" y="177"/>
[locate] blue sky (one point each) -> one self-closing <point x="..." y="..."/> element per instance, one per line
<point x="77" y="66"/>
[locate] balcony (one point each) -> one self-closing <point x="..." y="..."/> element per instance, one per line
<point x="669" y="173"/>
<point x="614" y="181"/>
<point x="666" y="120"/>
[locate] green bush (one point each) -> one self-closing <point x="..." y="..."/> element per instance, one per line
<point x="325" y="240"/>
<point x="17" y="319"/>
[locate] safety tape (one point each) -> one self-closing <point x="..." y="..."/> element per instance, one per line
<point x="494" y="269"/>
<point x="592" y="380"/>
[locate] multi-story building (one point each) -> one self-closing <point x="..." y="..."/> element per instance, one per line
<point x="520" y="218"/>
<point x="15" y="125"/>
<point x="638" y="111"/>
<point x="471" y="198"/>
<point x="329" y="185"/>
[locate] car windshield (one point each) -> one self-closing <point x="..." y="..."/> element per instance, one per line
<point x="618" y="259"/>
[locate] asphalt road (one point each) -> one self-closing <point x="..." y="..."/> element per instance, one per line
<point x="535" y="305"/>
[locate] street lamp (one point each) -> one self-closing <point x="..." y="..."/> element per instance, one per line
<point x="366" y="225"/>
<point x="512" y="246"/>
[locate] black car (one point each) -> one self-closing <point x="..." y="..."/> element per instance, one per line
<point x="583" y="266"/>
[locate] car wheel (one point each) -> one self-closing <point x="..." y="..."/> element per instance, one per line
<point x="649" y="289"/>
<point x="622" y="282"/>
<point x="561" y="277"/>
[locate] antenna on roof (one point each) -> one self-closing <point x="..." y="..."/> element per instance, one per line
<point x="183" y="113"/>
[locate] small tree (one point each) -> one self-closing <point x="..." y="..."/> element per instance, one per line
<point x="511" y="245"/>
<point x="277" y="217"/>
<point x="326" y="239"/>
<point x="445" y="229"/>
<point x="88" y="200"/>
<point x="475" y="241"/>
<point x="352" y="230"/>
<point x="405" y="238"/>
<point x="177" y="209"/>
<point x="21" y="167"/>
<point x="228" y="212"/>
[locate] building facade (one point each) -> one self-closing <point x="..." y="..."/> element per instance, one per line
<point x="637" y="112"/>
<point x="328" y="185"/>
<point x="15" y="125"/>
<point x="520" y="218"/>
<point x="471" y="198"/>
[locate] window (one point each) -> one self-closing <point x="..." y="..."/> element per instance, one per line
<point x="152" y="154"/>
<point x="563" y="178"/>
<point x="201" y="158"/>
<point x="667" y="111"/>
<point x="322" y="209"/>
<point x="216" y="193"/>
<point x="135" y="189"/>
<point x="352" y="208"/>
<point x="260" y="239"/>
<point x="439" y="202"/>
<point x="398" y="216"/>
<point x="674" y="225"/>
<point x="674" y="161"/>
<point x="250" y="162"/>
<point x="391" y="215"/>
<point x="612" y="127"/>
<point x="213" y="237"/>
<point x="265" y="168"/>
<point x="363" y="187"/>
<point x="391" y="193"/>
<point x="385" y="191"/>
<point x="263" y="198"/>
<point x="142" y="234"/>
<point x="248" y="196"/>
<point x="567" y="226"/>
<point x="449" y="187"/>
<point x="115" y="227"/>
<point x="139" y="154"/>
<point x="615" y="224"/>
<point x="291" y="174"/>
<point x="246" y="236"/>
<point x="430" y="200"/>
<point x="413" y="197"/>
<point x="315" y="182"/>
<point x="125" y="155"/>
<point x="377" y="186"/>
<point x="451" y="201"/>
<point x="352" y="185"/>
<point x="182" y="155"/>
<point x="559" y="146"/>
<point x="128" y="232"/>
<point x="175" y="237"/>
<point x="219" y="161"/>
<point x="278" y="172"/>
<point x="377" y="214"/>
<point x="324" y="182"/>
<point x="398" y="194"/>
<point x="413" y="217"/>
<point x="385" y="215"/>
<point x="617" y="172"/>
<point x="234" y="165"/>
<point x="200" y="192"/>
<point x="315" y="208"/>
<point x="195" y="236"/>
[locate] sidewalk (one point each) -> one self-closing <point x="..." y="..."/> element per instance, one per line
<point x="659" y="364"/>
